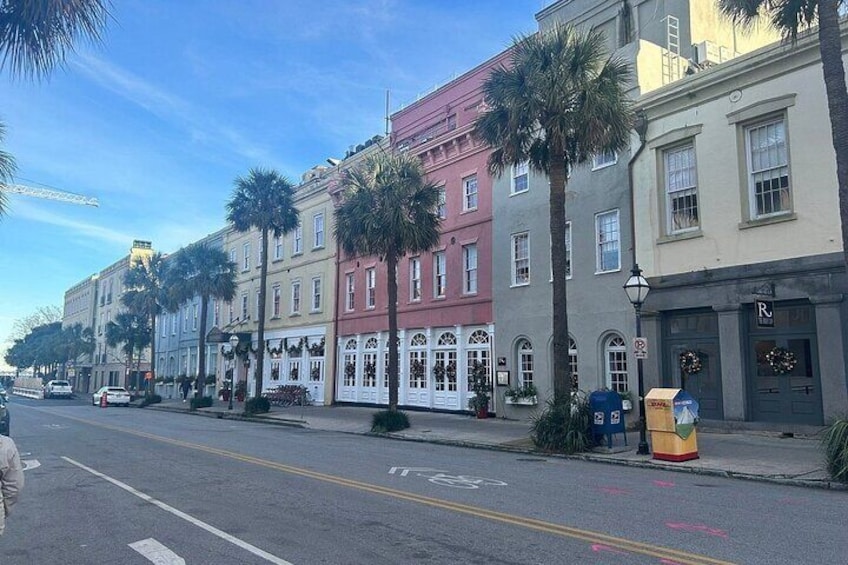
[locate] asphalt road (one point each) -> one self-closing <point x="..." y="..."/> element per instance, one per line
<point x="130" y="486"/>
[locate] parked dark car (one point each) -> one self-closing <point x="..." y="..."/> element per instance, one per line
<point x="4" y="418"/>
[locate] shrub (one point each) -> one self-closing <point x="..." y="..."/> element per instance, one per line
<point x="835" y="443"/>
<point x="150" y="399"/>
<point x="389" y="421"/>
<point x="201" y="402"/>
<point x="257" y="405"/>
<point x="564" y="427"/>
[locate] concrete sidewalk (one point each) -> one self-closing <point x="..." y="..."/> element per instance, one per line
<point x="747" y="455"/>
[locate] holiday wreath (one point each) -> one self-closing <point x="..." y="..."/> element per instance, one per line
<point x="781" y="360"/>
<point x="690" y="362"/>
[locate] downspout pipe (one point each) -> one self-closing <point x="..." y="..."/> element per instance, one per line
<point x="641" y="128"/>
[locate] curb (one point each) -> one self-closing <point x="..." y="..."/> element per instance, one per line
<point x="706" y="471"/>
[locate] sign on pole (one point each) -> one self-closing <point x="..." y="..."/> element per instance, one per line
<point x="640" y="347"/>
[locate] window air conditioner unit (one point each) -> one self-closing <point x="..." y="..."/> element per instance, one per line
<point x="708" y="52"/>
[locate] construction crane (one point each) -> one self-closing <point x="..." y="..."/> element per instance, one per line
<point x="50" y="194"/>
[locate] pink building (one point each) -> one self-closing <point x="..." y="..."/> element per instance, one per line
<point x="444" y="296"/>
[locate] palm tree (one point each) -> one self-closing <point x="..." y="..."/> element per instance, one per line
<point x="790" y="17"/>
<point x="77" y="341"/>
<point x="130" y="332"/>
<point x="35" y="36"/>
<point x="263" y="200"/>
<point x="207" y="272"/>
<point x="388" y="209"/>
<point x="145" y="296"/>
<point x="560" y="101"/>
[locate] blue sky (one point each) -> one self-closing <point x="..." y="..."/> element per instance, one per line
<point x="183" y="97"/>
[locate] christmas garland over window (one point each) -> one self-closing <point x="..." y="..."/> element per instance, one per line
<point x="781" y="360"/>
<point x="690" y="362"/>
<point x="317" y="349"/>
<point x="295" y="350"/>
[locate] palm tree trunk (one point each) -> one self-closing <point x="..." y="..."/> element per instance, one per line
<point x="201" y="344"/>
<point x="260" y="334"/>
<point x="830" y="46"/>
<point x="391" y="281"/>
<point x="561" y="368"/>
<point x="152" y="354"/>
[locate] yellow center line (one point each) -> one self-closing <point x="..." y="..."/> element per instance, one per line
<point x="622" y="544"/>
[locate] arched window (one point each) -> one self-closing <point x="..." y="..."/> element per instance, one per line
<point x="369" y="363"/>
<point x="525" y="362"/>
<point x="478" y="352"/>
<point x="349" y="366"/>
<point x="446" y="339"/>
<point x="615" y="355"/>
<point x="444" y="367"/>
<point x="572" y="362"/>
<point x="418" y="361"/>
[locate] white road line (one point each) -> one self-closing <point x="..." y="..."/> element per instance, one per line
<point x="157" y="553"/>
<point x="180" y="514"/>
<point x="30" y="464"/>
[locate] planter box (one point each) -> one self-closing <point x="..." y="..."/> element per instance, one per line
<point x="522" y="401"/>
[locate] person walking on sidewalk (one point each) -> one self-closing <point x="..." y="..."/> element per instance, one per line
<point x="185" y="386"/>
<point x="11" y="478"/>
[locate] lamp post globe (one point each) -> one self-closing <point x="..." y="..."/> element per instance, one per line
<point x="637" y="289"/>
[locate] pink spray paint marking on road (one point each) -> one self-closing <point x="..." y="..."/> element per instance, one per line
<point x="598" y="548"/>
<point x="697" y="528"/>
<point x="664" y="484"/>
<point x="613" y="490"/>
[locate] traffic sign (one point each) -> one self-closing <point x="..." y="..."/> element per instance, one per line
<point x="640" y="347"/>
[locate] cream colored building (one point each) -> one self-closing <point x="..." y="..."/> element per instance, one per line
<point x="110" y="363"/>
<point x="79" y="308"/>
<point x="300" y="304"/>
<point x="738" y="231"/>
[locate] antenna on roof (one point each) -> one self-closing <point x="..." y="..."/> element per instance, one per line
<point x="387" y="112"/>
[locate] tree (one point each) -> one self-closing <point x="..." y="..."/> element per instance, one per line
<point x="789" y="17"/>
<point x="131" y="332"/>
<point x="145" y="295"/>
<point x="388" y="209"/>
<point x="263" y="200"/>
<point x="204" y="271"/>
<point x="42" y="316"/>
<point x="560" y="101"/>
<point x="41" y="348"/>
<point x="36" y="36"/>
<point x="77" y="341"/>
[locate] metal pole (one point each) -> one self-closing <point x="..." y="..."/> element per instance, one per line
<point x="643" y="440"/>
<point x="232" y="381"/>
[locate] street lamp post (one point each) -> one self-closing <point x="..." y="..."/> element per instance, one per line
<point x="637" y="289"/>
<point x="234" y="341"/>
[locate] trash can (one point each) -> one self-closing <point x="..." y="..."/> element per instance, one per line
<point x="607" y="415"/>
<point x="671" y="415"/>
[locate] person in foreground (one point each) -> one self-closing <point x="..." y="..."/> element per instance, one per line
<point x="11" y="478"/>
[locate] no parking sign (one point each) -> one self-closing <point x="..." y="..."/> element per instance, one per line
<point x="640" y="347"/>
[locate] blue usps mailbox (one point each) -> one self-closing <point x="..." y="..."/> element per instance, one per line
<point x="607" y="415"/>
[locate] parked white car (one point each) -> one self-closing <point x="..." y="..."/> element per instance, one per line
<point x="116" y="395"/>
<point x="58" y="389"/>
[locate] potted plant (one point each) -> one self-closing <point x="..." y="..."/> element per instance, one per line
<point x="525" y="395"/>
<point x="479" y="403"/>
<point x="241" y="390"/>
<point x="626" y="400"/>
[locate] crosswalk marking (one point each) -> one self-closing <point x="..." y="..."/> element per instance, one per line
<point x="157" y="553"/>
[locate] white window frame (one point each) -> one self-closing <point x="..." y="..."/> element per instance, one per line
<point x="316" y="294"/>
<point x="234" y="256"/>
<point x="678" y="186"/>
<point x="782" y="156"/>
<point x="415" y="279"/>
<point x="517" y="172"/>
<point x="276" y="300"/>
<point x="260" y="254"/>
<point x="602" y="240"/>
<point x="295" y="297"/>
<point x="469" y="193"/>
<point x="278" y="248"/>
<point x="194" y="317"/>
<point x="615" y="354"/>
<point x="442" y="205"/>
<point x="526" y="363"/>
<point x="258" y="306"/>
<point x="440" y="281"/>
<point x="216" y="312"/>
<point x="318" y="230"/>
<point x="514" y="259"/>
<point x="297" y="240"/>
<point x="370" y="288"/>
<point x="245" y="312"/>
<point x="350" y="292"/>
<point x="245" y="262"/>
<point x="604" y="159"/>
<point x="469" y="268"/>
